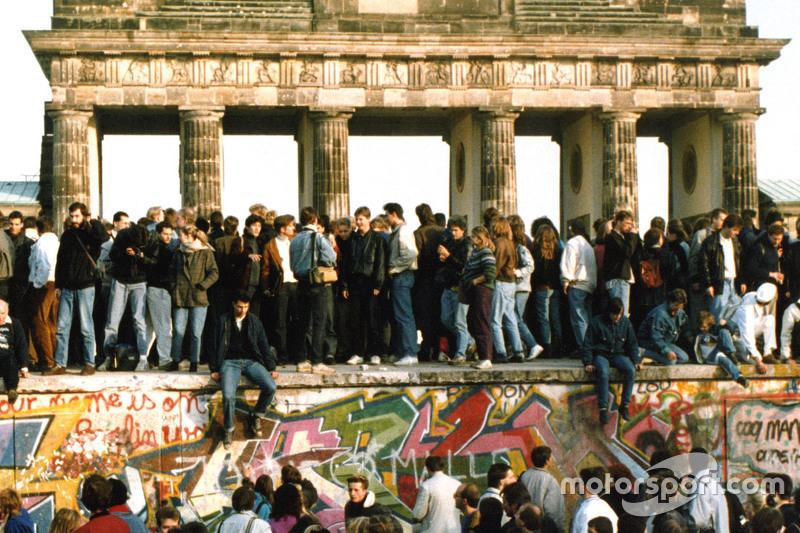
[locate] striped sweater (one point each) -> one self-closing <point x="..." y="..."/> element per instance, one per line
<point x="481" y="263"/>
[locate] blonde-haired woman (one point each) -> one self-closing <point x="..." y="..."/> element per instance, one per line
<point x="66" y="521"/>
<point x="15" y="516"/>
<point x="192" y="272"/>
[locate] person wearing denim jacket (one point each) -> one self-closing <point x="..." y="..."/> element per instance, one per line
<point x="611" y="341"/>
<point x="661" y="329"/>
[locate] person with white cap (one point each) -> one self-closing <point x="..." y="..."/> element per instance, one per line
<point x="752" y="318"/>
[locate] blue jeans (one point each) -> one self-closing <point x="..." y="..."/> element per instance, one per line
<point x="628" y="371"/>
<point x="84" y="299"/>
<point x="454" y="318"/>
<point x="405" y="342"/>
<point x="580" y="312"/>
<point x="118" y="299"/>
<point x="159" y="320"/>
<point x="547" y="314"/>
<point x="718" y="355"/>
<point x="230" y="373"/>
<point x="655" y="354"/>
<point x="520" y="301"/>
<point x="719" y="302"/>
<point x="504" y="317"/>
<point x="619" y="288"/>
<point x="196" y="317"/>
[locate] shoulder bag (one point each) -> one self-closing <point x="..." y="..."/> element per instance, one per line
<point x="320" y="275"/>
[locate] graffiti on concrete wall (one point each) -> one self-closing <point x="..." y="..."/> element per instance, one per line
<point x="165" y="445"/>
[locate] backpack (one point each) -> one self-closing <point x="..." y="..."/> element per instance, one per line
<point x="651" y="273"/>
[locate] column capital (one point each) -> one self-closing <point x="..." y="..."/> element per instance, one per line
<point x="69" y="112"/>
<point x="193" y="113"/>
<point x="619" y="115"/>
<point x="331" y="113"/>
<point x="493" y="113"/>
<point x="740" y="115"/>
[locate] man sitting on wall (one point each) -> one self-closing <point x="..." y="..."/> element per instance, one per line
<point x="242" y="348"/>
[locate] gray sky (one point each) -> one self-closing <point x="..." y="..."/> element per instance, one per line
<point x="142" y="171"/>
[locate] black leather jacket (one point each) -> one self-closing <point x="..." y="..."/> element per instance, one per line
<point x="364" y="261"/>
<point x="711" y="263"/>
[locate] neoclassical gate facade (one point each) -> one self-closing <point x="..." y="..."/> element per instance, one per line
<point x="592" y="74"/>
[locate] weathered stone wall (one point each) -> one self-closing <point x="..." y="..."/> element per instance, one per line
<point x="160" y="433"/>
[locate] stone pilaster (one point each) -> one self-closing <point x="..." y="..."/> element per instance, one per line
<point x="498" y="162"/>
<point x="740" y="188"/>
<point x="71" y="172"/>
<point x="201" y="160"/>
<point x="331" y="193"/>
<point x="619" y="162"/>
<point x="46" y="175"/>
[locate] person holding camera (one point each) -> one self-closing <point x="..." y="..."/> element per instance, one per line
<point x="76" y="277"/>
<point x="128" y="283"/>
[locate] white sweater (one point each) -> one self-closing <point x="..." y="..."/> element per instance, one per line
<point x="578" y="266"/>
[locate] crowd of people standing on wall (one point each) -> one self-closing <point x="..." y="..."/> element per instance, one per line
<point x="607" y="499"/>
<point x="357" y="290"/>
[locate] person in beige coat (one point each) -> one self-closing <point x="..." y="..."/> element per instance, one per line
<point x="192" y="272"/>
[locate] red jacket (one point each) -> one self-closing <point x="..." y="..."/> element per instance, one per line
<point x="104" y="523"/>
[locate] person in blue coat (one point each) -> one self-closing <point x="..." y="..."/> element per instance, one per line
<point x="611" y="341"/>
<point x="15" y="517"/>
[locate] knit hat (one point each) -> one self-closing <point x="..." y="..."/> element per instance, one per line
<point x="766" y="293"/>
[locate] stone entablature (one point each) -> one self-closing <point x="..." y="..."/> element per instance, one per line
<point x="354" y="68"/>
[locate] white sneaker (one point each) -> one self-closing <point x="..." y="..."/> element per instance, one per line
<point x="375" y="360"/>
<point x="355" y="360"/>
<point x="407" y="361"/>
<point x="142" y="365"/>
<point x="535" y="352"/>
<point x="322" y="368"/>
<point x="482" y="365"/>
<point x="104" y="366"/>
<point x="443" y="358"/>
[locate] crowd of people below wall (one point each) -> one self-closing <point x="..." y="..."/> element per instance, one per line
<point x="117" y="295"/>
<point x="680" y="494"/>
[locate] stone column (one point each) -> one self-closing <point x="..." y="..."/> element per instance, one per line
<point x="201" y="159"/>
<point x="331" y="189"/>
<point x="71" y="176"/>
<point x="740" y="188"/>
<point x="498" y="162"/>
<point x="619" y="162"/>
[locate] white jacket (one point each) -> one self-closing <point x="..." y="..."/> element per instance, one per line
<point x="752" y="320"/>
<point x="790" y="318"/>
<point x="435" y="506"/>
<point x="42" y="261"/>
<point x="238" y="522"/>
<point x="578" y="266"/>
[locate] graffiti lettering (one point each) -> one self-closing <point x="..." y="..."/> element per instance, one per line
<point x="783" y="429"/>
<point x="190" y="402"/>
<point x="23" y="404"/>
<point x="650" y="387"/>
<point x="146" y="404"/>
<point x="749" y="429"/>
<point x="776" y="456"/>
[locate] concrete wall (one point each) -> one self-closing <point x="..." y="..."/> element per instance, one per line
<point x="162" y="438"/>
<point x="704" y="134"/>
<point x="586" y="133"/>
<point x="466" y="131"/>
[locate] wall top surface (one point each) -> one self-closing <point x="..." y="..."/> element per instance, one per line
<point x="425" y="375"/>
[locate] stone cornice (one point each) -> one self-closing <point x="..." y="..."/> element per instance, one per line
<point x="761" y="51"/>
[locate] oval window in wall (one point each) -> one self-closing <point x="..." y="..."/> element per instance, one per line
<point x="576" y="169"/>
<point x="689" y="169"/>
<point x="461" y="167"/>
